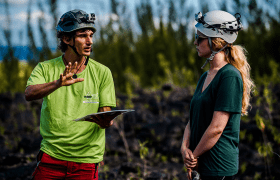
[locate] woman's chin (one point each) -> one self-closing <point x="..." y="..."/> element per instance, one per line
<point x="203" y="55"/>
<point x="200" y="55"/>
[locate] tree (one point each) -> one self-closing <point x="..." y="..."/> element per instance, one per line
<point x="10" y="65"/>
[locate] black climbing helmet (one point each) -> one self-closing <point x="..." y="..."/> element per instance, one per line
<point x="74" y="20"/>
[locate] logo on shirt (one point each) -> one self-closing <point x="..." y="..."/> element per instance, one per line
<point x="91" y="98"/>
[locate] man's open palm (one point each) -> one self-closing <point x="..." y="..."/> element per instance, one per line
<point x="66" y="79"/>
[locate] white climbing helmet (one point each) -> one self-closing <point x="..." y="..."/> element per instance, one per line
<point x="219" y="24"/>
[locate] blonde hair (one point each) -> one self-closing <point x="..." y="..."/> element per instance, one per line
<point x="236" y="56"/>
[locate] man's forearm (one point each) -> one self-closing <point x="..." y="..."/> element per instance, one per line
<point x="105" y="108"/>
<point x="38" y="91"/>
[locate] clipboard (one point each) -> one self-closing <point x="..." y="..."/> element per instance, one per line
<point x="113" y="113"/>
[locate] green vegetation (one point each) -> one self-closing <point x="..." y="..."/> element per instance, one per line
<point x="144" y="152"/>
<point x="165" y="54"/>
<point x="159" y="54"/>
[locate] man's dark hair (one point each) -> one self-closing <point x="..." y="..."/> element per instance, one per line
<point x="62" y="46"/>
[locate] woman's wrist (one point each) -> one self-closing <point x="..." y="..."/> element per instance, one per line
<point x="184" y="147"/>
<point x="195" y="155"/>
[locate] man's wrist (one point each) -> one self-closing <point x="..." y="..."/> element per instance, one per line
<point x="57" y="83"/>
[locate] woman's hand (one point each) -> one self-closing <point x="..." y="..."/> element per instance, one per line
<point x="189" y="161"/>
<point x="189" y="174"/>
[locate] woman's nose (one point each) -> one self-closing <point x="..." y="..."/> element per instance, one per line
<point x="195" y="42"/>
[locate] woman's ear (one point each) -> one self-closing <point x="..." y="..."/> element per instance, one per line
<point x="217" y="43"/>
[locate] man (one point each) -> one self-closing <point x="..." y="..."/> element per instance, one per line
<point x="72" y="86"/>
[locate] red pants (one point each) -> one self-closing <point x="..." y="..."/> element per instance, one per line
<point x="52" y="168"/>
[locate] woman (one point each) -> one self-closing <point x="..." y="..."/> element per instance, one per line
<point x="211" y="137"/>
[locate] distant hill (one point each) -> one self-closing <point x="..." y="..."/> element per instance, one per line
<point x="20" y="52"/>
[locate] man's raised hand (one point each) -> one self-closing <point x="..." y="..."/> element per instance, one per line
<point x="66" y="79"/>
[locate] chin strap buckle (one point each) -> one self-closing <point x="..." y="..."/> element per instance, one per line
<point x="209" y="59"/>
<point x="213" y="55"/>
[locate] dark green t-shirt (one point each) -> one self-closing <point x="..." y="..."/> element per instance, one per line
<point x="224" y="93"/>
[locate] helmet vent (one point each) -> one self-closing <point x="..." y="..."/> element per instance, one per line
<point x="69" y="24"/>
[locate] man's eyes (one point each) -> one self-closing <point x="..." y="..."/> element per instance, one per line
<point x="84" y="35"/>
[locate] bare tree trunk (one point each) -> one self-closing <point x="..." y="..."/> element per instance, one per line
<point x="33" y="60"/>
<point x="122" y="134"/>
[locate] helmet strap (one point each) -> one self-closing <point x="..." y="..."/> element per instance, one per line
<point x="213" y="52"/>
<point x="75" y="50"/>
<point x="74" y="47"/>
<point x="87" y="60"/>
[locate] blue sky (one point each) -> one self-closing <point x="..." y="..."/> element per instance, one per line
<point x="18" y="12"/>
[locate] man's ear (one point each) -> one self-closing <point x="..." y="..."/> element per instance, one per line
<point x="66" y="39"/>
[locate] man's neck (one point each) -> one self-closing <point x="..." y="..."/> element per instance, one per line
<point x="71" y="56"/>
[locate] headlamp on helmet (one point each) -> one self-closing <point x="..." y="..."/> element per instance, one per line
<point x="87" y="18"/>
<point x="75" y="20"/>
<point x="90" y="17"/>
